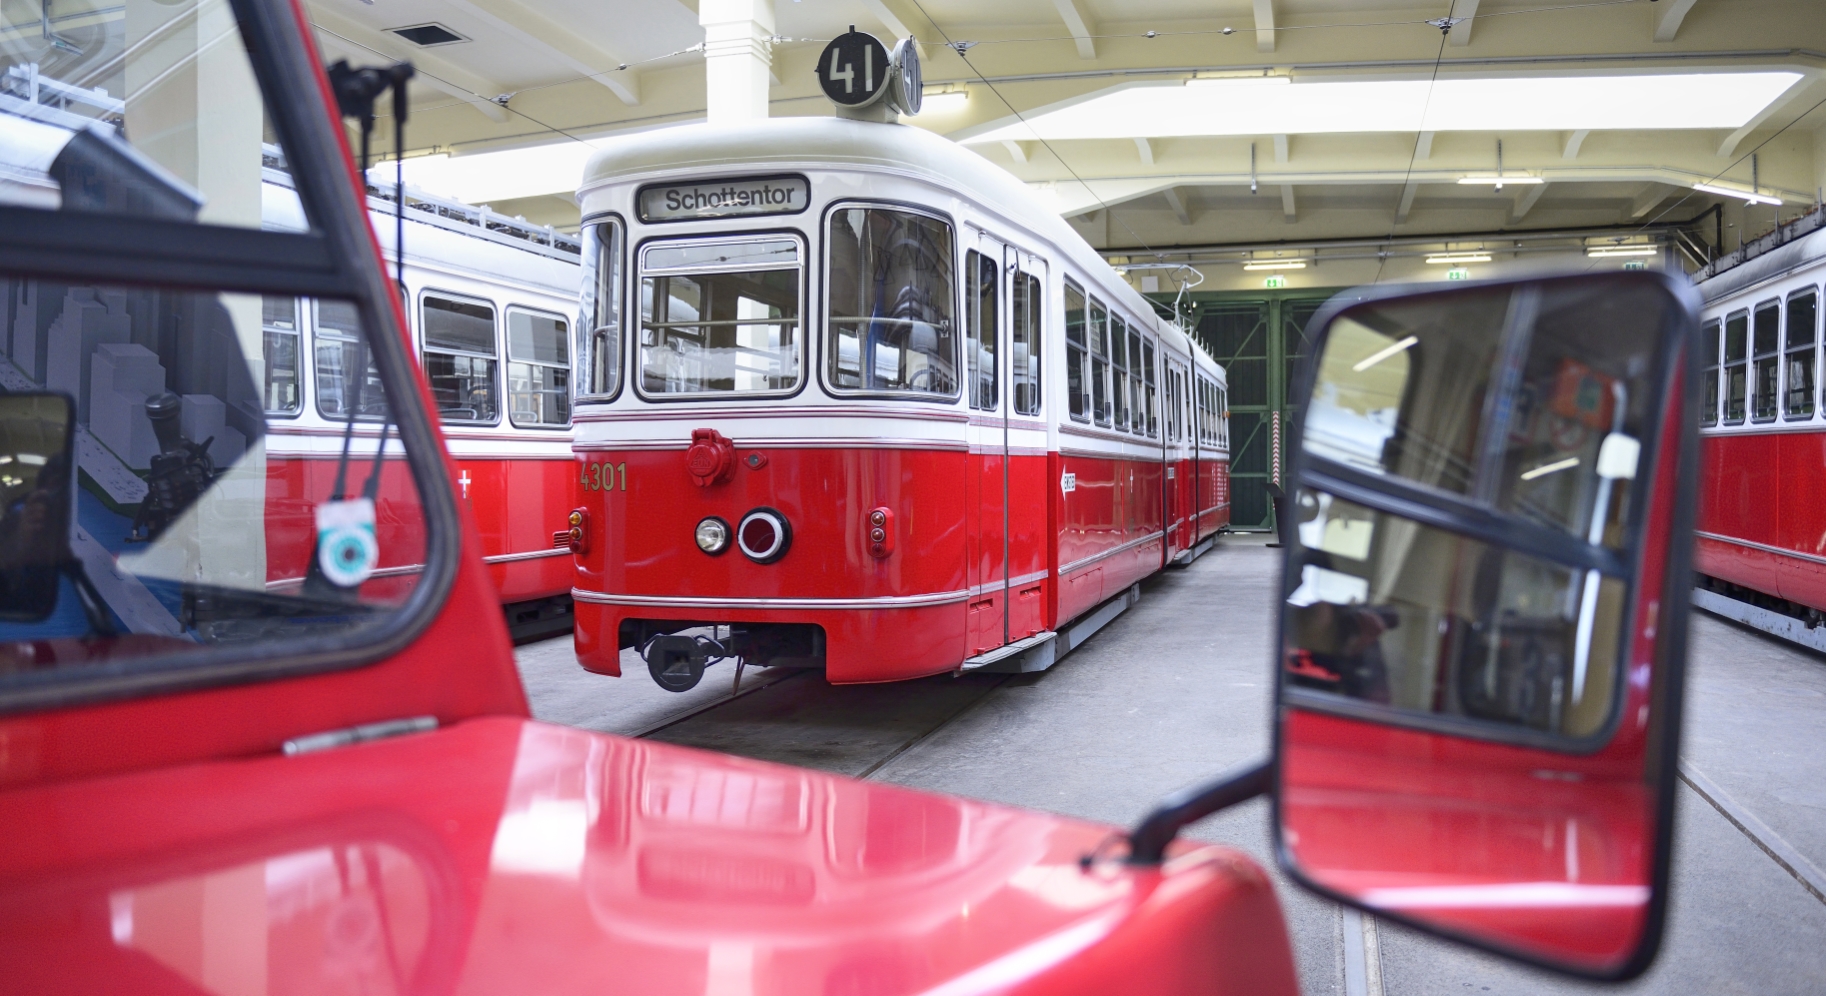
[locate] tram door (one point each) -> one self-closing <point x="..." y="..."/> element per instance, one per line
<point x="1179" y="469"/>
<point x="986" y="481"/>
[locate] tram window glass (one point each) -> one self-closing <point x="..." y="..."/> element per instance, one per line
<point x="1802" y="334"/>
<point x="982" y="276"/>
<point x="599" y="319"/>
<point x="1222" y="411"/>
<point x="1766" y="342"/>
<point x="1138" y="413"/>
<point x="1737" y="328"/>
<point x="1100" y="362"/>
<point x="279" y="337"/>
<point x="340" y="352"/>
<point x="460" y="358"/>
<point x="1430" y="623"/>
<point x="1119" y="371"/>
<point x="1024" y="349"/>
<point x="1708" y="412"/>
<point x="207" y="522"/>
<point x="720" y="317"/>
<point x="1204" y="413"/>
<point x="891" y="283"/>
<point x="1077" y="386"/>
<point x="538" y="368"/>
<point x="1147" y="367"/>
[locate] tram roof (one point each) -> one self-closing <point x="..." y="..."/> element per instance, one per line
<point x="1776" y="262"/>
<point x="824" y="143"/>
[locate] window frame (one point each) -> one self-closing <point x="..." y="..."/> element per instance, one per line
<point x="1152" y="414"/>
<point x="1725" y="365"/>
<point x="1103" y="410"/>
<point x="570" y="367"/>
<point x="827" y="338"/>
<point x="425" y="350"/>
<point x="976" y="264"/>
<point x="1787" y="350"/>
<point x="586" y="328"/>
<point x="1078" y="407"/>
<point x="317" y="393"/>
<point x="1711" y="371"/>
<point x="1773" y="356"/>
<point x="1120" y="392"/>
<point x="305" y="367"/>
<point x="1032" y="290"/>
<point x="631" y="359"/>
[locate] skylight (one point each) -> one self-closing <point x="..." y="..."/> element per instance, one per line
<point x="1539" y="103"/>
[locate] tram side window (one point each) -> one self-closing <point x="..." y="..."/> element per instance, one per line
<point x="1767" y="340"/>
<point x="1803" y="334"/>
<point x="981" y="277"/>
<point x="1138" y="411"/>
<point x="1737" y="333"/>
<point x="599" y="319"/>
<point x="1119" y="370"/>
<point x="538" y="369"/>
<point x="460" y="358"/>
<point x="1147" y="367"/>
<point x="719" y="317"/>
<point x="1223" y="423"/>
<point x="1100" y="362"/>
<point x="340" y="351"/>
<point x="1077" y="387"/>
<point x="279" y="340"/>
<point x="891" y="282"/>
<point x="1708" y="415"/>
<point x="1024" y="347"/>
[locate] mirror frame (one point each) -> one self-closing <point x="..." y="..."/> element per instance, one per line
<point x="65" y="548"/>
<point x="1676" y="397"/>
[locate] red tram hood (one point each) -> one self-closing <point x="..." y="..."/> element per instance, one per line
<point x="506" y="856"/>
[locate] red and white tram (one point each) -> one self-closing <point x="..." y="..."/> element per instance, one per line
<point x="490" y="300"/>
<point x="856" y="398"/>
<point x="1762" y="516"/>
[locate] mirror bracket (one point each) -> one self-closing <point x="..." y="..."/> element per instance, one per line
<point x="1148" y="841"/>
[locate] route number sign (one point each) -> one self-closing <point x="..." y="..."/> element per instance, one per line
<point x="853" y="70"/>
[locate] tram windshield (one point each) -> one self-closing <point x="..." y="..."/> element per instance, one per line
<point x="892" y="276"/>
<point x="144" y="108"/>
<point x="720" y="317"/>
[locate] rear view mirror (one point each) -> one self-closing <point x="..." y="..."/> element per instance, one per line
<point x="37" y="499"/>
<point x="1484" y="612"/>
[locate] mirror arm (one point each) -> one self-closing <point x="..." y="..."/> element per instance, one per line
<point x="1148" y="841"/>
<point x="93" y="604"/>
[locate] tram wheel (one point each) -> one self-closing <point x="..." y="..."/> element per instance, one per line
<point x="675" y="662"/>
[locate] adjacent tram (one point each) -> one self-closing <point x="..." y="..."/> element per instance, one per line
<point x="1761" y="553"/>
<point x="853" y="398"/>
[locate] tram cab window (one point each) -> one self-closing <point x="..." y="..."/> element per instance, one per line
<point x="1708" y="337"/>
<point x="720" y="317"/>
<point x="279" y="340"/>
<point x="599" y="321"/>
<point x="1101" y="408"/>
<point x="1802" y="359"/>
<point x="1766" y="336"/>
<point x="1147" y="367"/>
<point x="538" y="368"/>
<point x="891" y="320"/>
<point x="1024" y="345"/>
<point x="460" y="358"/>
<point x="1736" y="369"/>
<point x="1077" y="355"/>
<point x="340" y="352"/>
<point x="982" y="276"/>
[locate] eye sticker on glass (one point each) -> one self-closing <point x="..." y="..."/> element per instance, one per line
<point x="347" y="550"/>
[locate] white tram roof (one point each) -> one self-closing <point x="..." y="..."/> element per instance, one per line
<point x="828" y="143"/>
<point x="1771" y="265"/>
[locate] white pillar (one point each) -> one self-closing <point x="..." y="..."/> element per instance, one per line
<point x="738" y="58"/>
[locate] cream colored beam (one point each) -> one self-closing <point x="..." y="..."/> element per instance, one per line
<point x="1407" y="201"/>
<point x="1280" y="148"/>
<point x="1081" y="27"/>
<point x="895" y="16"/>
<point x="1145" y="149"/>
<point x="1570" y="148"/>
<point x="1733" y="140"/>
<point x="1668" y="18"/>
<point x="563" y="46"/>
<point x="1178" y="205"/>
<point x="1287" y="208"/>
<point x="1018" y="150"/>
<point x="1645" y="200"/>
<point x="1463" y="12"/>
<point x="433" y="71"/>
<point x="1525" y="200"/>
<point x="1264" y="25"/>
<point x="1423" y="145"/>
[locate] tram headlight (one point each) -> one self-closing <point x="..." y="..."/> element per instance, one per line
<point x="764" y="535"/>
<point x="712" y="535"/>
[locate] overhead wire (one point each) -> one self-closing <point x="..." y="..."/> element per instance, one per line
<point x="1414" y="156"/>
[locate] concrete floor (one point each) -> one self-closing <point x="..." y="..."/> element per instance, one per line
<point x="1177" y="690"/>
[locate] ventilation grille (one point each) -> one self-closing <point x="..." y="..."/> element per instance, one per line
<point x="427" y="35"/>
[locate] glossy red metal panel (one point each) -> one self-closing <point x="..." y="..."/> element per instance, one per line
<point x="1769" y="489"/>
<point x="295" y="486"/>
<point x="508" y="856"/>
<point x="518" y="506"/>
<point x="986" y="494"/>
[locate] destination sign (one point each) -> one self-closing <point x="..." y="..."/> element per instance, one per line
<point x="724" y="198"/>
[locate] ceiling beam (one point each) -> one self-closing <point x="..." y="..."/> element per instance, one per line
<point x="1178" y="205"/>
<point x="1280" y="148"/>
<point x="1081" y="27"/>
<point x="433" y="71"/>
<point x="1574" y="139"/>
<point x="1650" y="195"/>
<point x="1525" y="200"/>
<point x="563" y="46"/>
<point x="1423" y="145"/>
<point x="1264" y="25"/>
<point x="896" y="21"/>
<point x="1287" y="209"/>
<point x="1729" y="145"/>
<point x="1463" y="13"/>
<point x="1019" y="150"/>
<point x="1145" y="149"/>
<point x="1407" y="201"/>
<point x="1668" y="18"/>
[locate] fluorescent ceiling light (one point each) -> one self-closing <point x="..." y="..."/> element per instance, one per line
<point x="1276" y="264"/>
<point x="945" y="102"/>
<point x="1236" y="81"/>
<point x="486" y="177"/>
<point x="1382" y="354"/>
<point x="1459" y="257"/>
<point x="1520" y="179"/>
<point x="1604" y="252"/>
<point x="1748" y="197"/>
<point x="1534" y="103"/>
<point x="1550" y="468"/>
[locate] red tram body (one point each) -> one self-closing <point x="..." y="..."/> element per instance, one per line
<point x="1761" y="551"/>
<point x="790" y="325"/>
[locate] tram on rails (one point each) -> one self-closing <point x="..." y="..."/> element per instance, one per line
<point x="1761" y="555"/>
<point x="490" y="299"/>
<point x="854" y="398"/>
